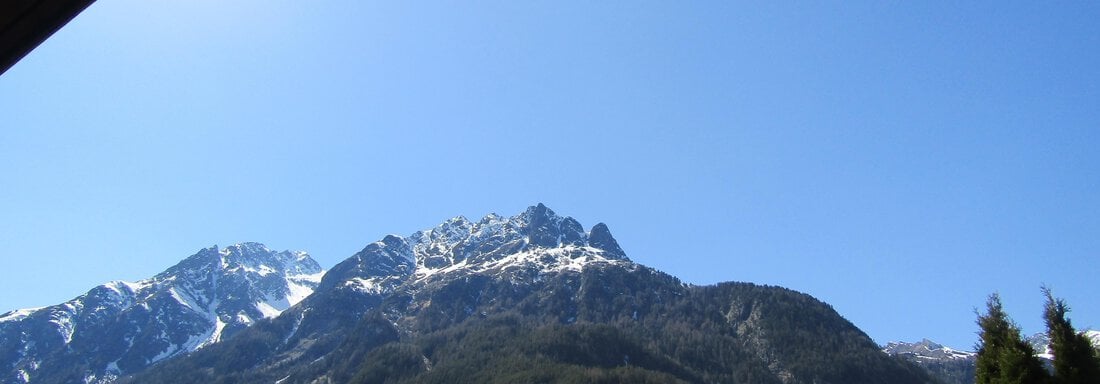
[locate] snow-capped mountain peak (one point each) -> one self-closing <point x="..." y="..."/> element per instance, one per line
<point x="536" y="240"/>
<point x="537" y="234"/>
<point x="129" y="325"/>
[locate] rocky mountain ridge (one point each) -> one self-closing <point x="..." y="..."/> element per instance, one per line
<point x="926" y="349"/>
<point x="123" y="327"/>
<point x="495" y="245"/>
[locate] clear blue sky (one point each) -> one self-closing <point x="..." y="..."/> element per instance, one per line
<point x="900" y="162"/>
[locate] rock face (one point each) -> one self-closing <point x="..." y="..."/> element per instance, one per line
<point x="535" y="298"/>
<point x="537" y="238"/>
<point x="121" y="327"/>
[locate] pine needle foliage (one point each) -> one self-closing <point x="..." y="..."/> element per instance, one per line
<point x="1003" y="355"/>
<point x="1075" y="360"/>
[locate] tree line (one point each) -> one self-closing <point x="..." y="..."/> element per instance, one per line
<point x="1005" y="358"/>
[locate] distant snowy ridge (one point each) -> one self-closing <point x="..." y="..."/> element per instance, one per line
<point x="1041" y="342"/>
<point x="949" y="365"/>
<point x="926" y="349"/>
<point x="122" y="327"/>
<point x="954" y="366"/>
<point x="1094" y="336"/>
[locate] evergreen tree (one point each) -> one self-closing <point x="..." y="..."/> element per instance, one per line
<point x="1003" y="356"/>
<point x="1075" y="360"/>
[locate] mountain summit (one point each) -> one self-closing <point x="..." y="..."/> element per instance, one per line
<point x="536" y="238"/>
<point x="121" y="327"/>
